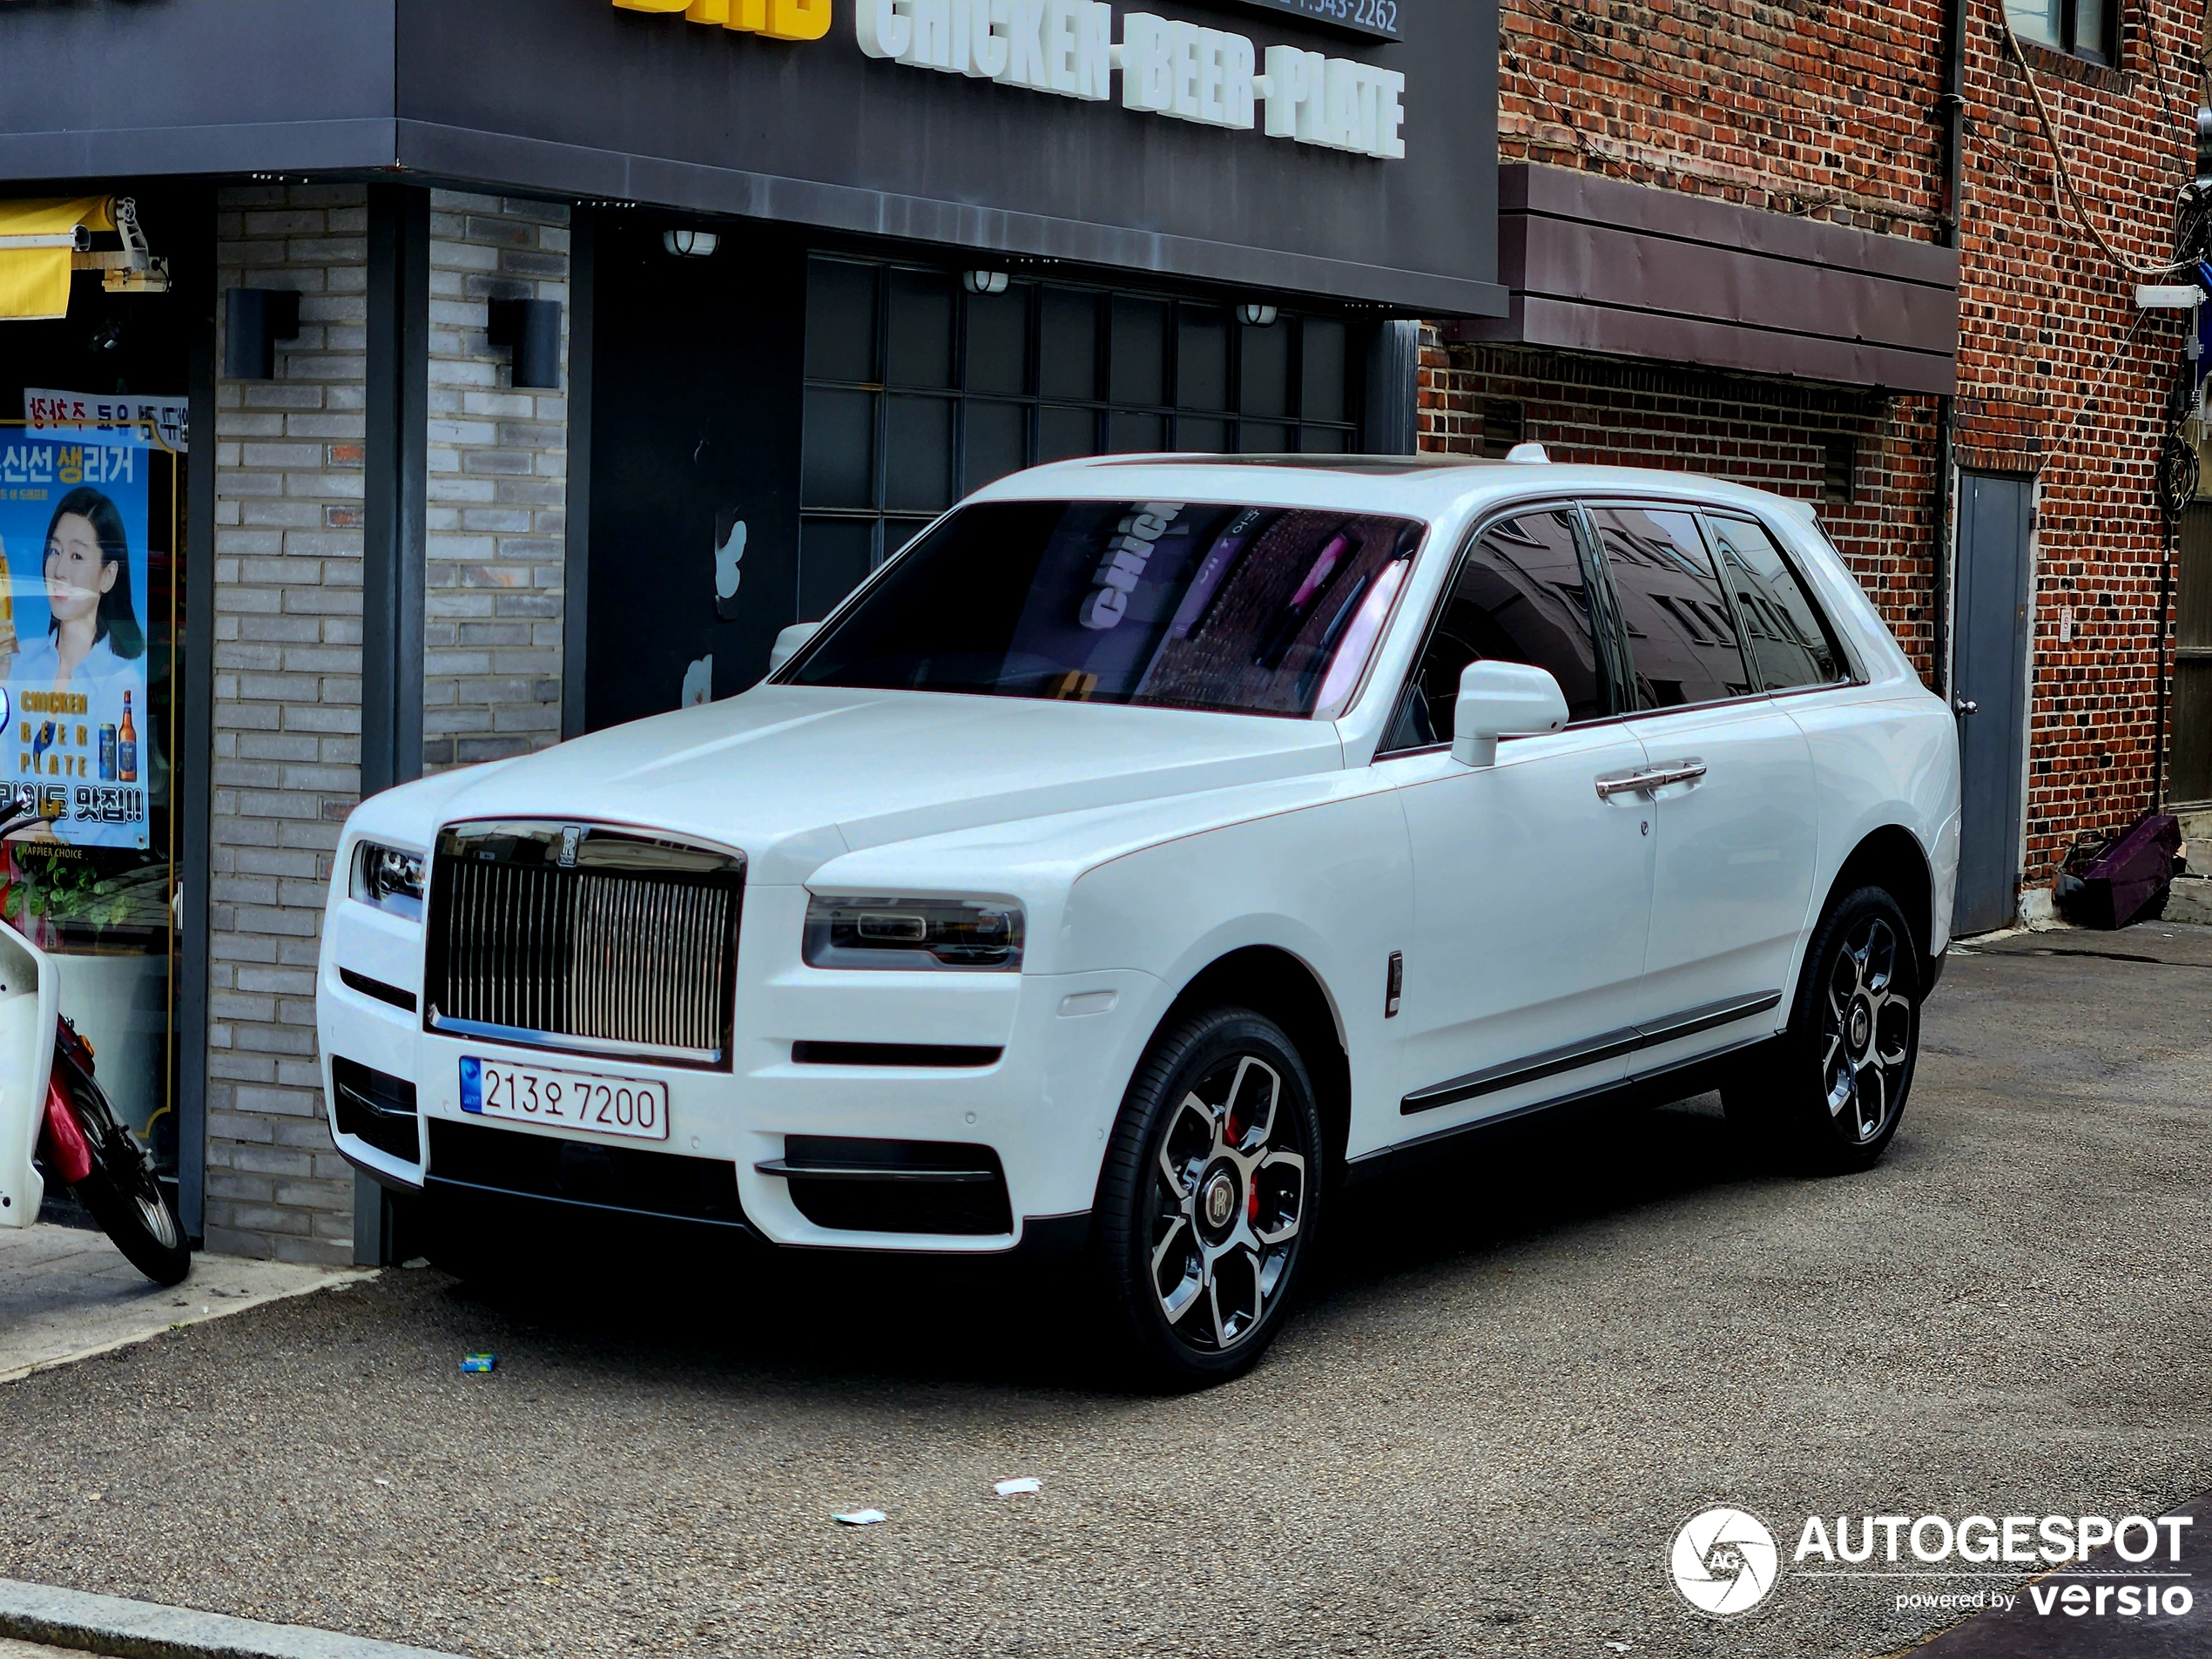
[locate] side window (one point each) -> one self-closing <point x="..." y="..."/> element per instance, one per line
<point x="1790" y="642"/>
<point x="1681" y="636"/>
<point x="1520" y="596"/>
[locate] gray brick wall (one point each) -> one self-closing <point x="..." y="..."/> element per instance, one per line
<point x="498" y="465"/>
<point x="288" y="546"/>
<point x="286" y="767"/>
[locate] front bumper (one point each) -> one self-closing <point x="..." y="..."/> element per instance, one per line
<point x="1066" y="1047"/>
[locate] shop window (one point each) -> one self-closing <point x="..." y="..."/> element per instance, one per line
<point x="919" y="392"/>
<point x="920" y="339"/>
<point x="998" y="342"/>
<point x="2083" y="29"/>
<point x="1068" y="341"/>
<point x="1202" y="359"/>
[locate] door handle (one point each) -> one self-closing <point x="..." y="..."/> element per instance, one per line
<point x="1965" y="706"/>
<point x="1650" y="778"/>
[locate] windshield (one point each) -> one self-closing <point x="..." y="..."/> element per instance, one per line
<point x="1250" y="609"/>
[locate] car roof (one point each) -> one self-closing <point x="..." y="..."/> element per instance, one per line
<point x="1428" y="487"/>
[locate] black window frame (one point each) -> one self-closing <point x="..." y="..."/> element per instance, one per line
<point x="1604" y="620"/>
<point x="2104" y="52"/>
<point x="892" y="526"/>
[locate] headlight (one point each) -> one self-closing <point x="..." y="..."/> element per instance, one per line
<point x="973" y="935"/>
<point x="390" y="879"/>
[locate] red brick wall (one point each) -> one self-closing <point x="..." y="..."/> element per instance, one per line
<point x="2046" y="388"/>
<point x="1828" y="110"/>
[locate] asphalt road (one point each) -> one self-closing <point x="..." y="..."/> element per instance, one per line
<point x="1519" y="1375"/>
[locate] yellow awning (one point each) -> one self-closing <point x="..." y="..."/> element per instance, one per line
<point x="36" y="239"/>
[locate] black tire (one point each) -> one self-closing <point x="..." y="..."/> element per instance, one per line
<point x="1198" y="1191"/>
<point x="121" y="1193"/>
<point x="1826" y="1097"/>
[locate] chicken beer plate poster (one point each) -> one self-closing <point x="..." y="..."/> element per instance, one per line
<point x="72" y="635"/>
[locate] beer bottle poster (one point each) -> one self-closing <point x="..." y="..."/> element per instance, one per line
<point x="73" y="635"/>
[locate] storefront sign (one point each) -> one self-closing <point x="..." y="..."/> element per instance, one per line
<point x="73" y="522"/>
<point x="1209" y="76"/>
<point x="777" y="19"/>
<point x="111" y="419"/>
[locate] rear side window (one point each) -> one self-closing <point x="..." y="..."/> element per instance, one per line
<point x="1520" y="596"/>
<point x="1681" y="636"/>
<point x="1789" y="641"/>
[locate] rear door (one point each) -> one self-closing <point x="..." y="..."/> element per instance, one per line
<point x="1737" y="829"/>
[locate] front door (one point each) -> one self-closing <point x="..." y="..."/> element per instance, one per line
<point x="1530" y="888"/>
<point x="1996" y="521"/>
<point x="1737" y="831"/>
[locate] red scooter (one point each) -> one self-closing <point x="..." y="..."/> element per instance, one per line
<point x="59" y="1109"/>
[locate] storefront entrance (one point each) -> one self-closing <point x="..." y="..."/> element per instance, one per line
<point x="94" y="432"/>
<point x="906" y="387"/>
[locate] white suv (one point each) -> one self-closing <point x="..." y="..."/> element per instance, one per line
<point x="1156" y="844"/>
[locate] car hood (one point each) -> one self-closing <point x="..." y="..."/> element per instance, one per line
<point x="795" y="775"/>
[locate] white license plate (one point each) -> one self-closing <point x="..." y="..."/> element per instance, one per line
<point x="570" y="1100"/>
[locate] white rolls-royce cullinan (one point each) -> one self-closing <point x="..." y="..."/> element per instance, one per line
<point x="1156" y="845"/>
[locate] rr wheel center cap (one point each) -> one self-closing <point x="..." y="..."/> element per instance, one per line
<point x="1862" y="1027"/>
<point x="1219" y="1198"/>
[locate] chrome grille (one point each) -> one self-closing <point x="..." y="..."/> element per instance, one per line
<point x="625" y="948"/>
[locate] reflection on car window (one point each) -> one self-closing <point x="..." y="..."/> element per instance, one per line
<point x="1250" y="609"/>
<point x="1520" y="596"/>
<point x="1789" y="642"/>
<point x="1680" y="635"/>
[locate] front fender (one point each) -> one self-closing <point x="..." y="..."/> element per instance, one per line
<point x="1329" y="883"/>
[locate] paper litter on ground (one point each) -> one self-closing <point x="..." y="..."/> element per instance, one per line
<point x="1027" y="1483"/>
<point x="860" y="1517"/>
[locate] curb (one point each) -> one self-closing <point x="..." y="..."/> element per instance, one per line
<point x="122" y="1629"/>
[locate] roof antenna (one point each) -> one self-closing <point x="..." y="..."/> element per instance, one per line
<point x="1529" y="455"/>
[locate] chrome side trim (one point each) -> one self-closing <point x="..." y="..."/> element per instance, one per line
<point x="1573" y="1057"/>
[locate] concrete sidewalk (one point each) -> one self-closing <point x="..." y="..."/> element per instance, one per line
<point x="66" y="1294"/>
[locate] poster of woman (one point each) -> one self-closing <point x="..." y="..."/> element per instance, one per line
<point x="73" y="579"/>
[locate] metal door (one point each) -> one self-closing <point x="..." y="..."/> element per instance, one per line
<point x="1996" y="520"/>
<point x="2189" y="780"/>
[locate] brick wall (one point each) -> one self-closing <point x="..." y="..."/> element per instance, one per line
<point x="498" y="465"/>
<point x="1827" y="111"/>
<point x="1774" y="435"/>
<point x="2047" y="387"/>
<point x="285" y="767"/>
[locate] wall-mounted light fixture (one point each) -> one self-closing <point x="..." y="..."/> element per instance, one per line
<point x="690" y="244"/>
<point x="531" y="328"/>
<point x="253" y="321"/>
<point x="983" y="282"/>
<point x="1256" y="316"/>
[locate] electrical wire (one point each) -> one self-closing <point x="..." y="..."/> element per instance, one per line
<point x="2064" y="174"/>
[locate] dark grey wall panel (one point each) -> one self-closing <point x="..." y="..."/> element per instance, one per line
<point x="581" y="97"/>
<point x="194" y="85"/>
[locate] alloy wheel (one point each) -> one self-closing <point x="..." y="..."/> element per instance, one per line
<point x="1229" y="1200"/>
<point x="1866" y="1032"/>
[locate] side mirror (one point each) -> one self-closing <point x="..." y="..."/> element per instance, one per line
<point x="1503" y="700"/>
<point x="790" y="642"/>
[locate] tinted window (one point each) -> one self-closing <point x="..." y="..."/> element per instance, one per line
<point x="1252" y="609"/>
<point x="1682" y="639"/>
<point x="1520" y="596"/>
<point x="1789" y="646"/>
